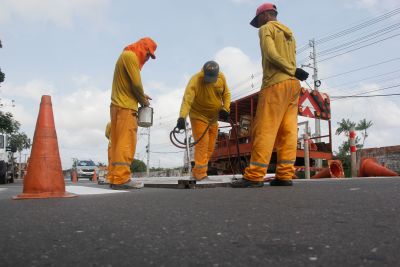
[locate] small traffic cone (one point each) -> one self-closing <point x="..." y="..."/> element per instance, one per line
<point x="335" y="170"/>
<point x="74" y="176"/>
<point x="94" y="177"/>
<point x="324" y="173"/>
<point x="369" y="167"/>
<point x="44" y="178"/>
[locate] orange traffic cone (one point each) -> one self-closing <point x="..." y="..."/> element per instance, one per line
<point x="74" y="176"/>
<point x="335" y="170"/>
<point x="369" y="167"/>
<point x="44" y="178"/>
<point x="94" y="178"/>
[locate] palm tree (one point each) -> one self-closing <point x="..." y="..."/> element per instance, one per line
<point x="363" y="125"/>
<point x="344" y="127"/>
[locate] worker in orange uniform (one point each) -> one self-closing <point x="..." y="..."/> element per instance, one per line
<point x="276" y="116"/>
<point x="127" y="93"/>
<point x="206" y="98"/>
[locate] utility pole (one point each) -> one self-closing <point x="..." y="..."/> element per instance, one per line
<point x="148" y="153"/>
<point x="316" y="84"/>
<point x="19" y="167"/>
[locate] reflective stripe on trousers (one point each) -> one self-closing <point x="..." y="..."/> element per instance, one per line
<point x="123" y="143"/>
<point x="204" y="149"/>
<point x="275" y="124"/>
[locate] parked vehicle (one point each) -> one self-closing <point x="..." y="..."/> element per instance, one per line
<point x="6" y="163"/>
<point x="85" y="168"/>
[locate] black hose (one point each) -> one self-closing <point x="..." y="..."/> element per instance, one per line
<point x="179" y="144"/>
<point x="174" y="139"/>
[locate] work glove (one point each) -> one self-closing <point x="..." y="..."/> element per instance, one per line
<point x="301" y="74"/>
<point x="223" y="114"/>
<point x="181" y="124"/>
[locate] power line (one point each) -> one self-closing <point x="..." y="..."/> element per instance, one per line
<point x="359" y="26"/>
<point x="167" y="152"/>
<point x="368" y="78"/>
<point x="362" y="68"/>
<point x="360" y="40"/>
<point x="358" y="48"/>
<point x="363" y="96"/>
<point x="366" y="92"/>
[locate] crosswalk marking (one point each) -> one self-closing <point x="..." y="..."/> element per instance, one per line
<point x="85" y="190"/>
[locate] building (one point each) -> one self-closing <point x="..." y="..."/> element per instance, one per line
<point x="388" y="156"/>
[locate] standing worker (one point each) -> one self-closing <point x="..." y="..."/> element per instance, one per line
<point x="206" y="98"/>
<point x="127" y="93"/>
<point x="276" y="116"/>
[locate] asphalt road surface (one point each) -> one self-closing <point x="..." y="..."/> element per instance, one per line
<point x="348" y="222"/>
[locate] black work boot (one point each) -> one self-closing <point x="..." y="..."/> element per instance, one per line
<point x="279" y="182"/>
<point x="242" y="183"/>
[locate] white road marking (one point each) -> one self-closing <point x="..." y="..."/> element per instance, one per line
<point x="85" y="190"/>
<point x="3" y="189"/>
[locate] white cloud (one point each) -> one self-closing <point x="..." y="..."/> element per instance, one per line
<point x="375" y="6"/>
<point x="59" y="12"/>
<point x="383" y="112"/>
<point x="239" y="69"/>
<point x="80" y="117"/>
<point x="244" y="1"/>
<point x="30" y="90"/>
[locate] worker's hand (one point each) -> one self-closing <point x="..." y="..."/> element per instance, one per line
<point x="181" y="124"/>
<point x="147" y="100"/>
<point x="223" y="114"/>
<point x="301" y="74"/>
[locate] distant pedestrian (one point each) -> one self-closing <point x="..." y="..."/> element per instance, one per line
<point x="127" y="93"/>
<point x="108" y="136"/>
<point x="276" y="116"/>
<point x="206" y="98"/>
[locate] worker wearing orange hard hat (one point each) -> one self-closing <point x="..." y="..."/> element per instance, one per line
<point x="126" y="95"/>
<point x="206" y="98"/>
<point x="276" y="116"/>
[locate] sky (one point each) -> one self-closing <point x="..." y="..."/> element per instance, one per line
<point x="68" y="48"/>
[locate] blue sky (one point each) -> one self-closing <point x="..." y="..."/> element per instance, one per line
<point x="68" y="49"/>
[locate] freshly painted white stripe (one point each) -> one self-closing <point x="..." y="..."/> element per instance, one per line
<point x="85" y="190"/>
<point x="3" y="189"/>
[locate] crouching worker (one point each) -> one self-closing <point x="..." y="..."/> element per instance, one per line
<point x="206" y="98"/>
<point x="127" y="93"/>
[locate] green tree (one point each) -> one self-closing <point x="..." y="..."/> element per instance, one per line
<point x="8" y="124"/>
<point x="363" y="125"/>
<point x="138" y="166"/>
<point x="344" y="126"/>
<point x="2" y="75"/>
<point x="19" y="142"/>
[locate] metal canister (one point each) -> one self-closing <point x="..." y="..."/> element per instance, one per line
<point x="145" y="117"/>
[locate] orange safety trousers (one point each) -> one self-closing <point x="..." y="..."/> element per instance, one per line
<point x="123" y="139"/>
<point x="275" y="123"/>
<point x="204" y="148"/>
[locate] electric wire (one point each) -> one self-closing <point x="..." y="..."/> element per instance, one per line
<point x="357" y="27"/>
<point x="361" y="68"/>
<point x="360" y="40"/>
<point x="368" y="78"/>
<point x="358" y="48"/>
<point x="365" y="92"/>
